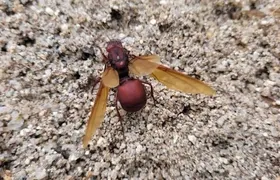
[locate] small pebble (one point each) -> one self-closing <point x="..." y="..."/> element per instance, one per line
<point x="49" y="11"/>
<point x="41" y="174"/>
<point x="192" y="139"/>
<point x="153" y="21"/>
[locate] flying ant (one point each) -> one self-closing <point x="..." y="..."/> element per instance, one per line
<point x="130" y="91"/>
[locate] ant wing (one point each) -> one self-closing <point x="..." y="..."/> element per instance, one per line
<point x="144" y="65"/>
<point x="97" y="113"/>
<point x="110" y="77"/>
<point x="180" y="82"/>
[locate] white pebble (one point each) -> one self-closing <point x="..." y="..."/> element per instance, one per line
<point x="49" y="11"/>
<point x="24" y="132"/>
<point x="192" y="138"/>
<point x="41" y="174"/>
<point x="153" y="21"/>
<point x="27" y="161"/>
<point x="73" y="157"/>
<point x="223" y="160"/>
<point x="101" y="142"/>
<point x="87" y="153"/>
<point x="149" y="126"/>
<point x="64" y="28"/>
<point x="139" y="148"/>
<point x="139" y="28"/>
<point x="163" y="2"/>
<point x="175" y="138"/>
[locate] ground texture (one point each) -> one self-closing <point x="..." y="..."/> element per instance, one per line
<point x="49" y="62"/>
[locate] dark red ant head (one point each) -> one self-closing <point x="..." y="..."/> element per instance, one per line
<point x="117" y="55"/>
<point x="113" y="43"/>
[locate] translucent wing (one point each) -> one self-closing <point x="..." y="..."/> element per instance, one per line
<point x="180" y="82"/>
<point x="110" y="77"/>
<point x="97" y="113"/>
<point x="144" y="65"/>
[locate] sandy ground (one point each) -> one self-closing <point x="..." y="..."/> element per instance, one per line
<point x="49" y="63"/>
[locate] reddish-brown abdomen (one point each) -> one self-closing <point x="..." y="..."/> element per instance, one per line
<point x="132" y="95"/>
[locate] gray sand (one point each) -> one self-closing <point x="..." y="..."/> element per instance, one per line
<point x="49" y="62"/>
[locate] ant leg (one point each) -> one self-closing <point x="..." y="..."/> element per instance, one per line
<point x="95" y="83"/>
<point x="104" y="56"/>
<point x="118" y="112"/>
<point x="131" y="56"/>
<point x="105" y="59"/>
<point x="152" y="91"/>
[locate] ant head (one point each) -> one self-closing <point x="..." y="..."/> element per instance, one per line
<point x="113" y="43"/>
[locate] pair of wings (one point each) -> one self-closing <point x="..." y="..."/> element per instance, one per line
<point x="141" y="65"/>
